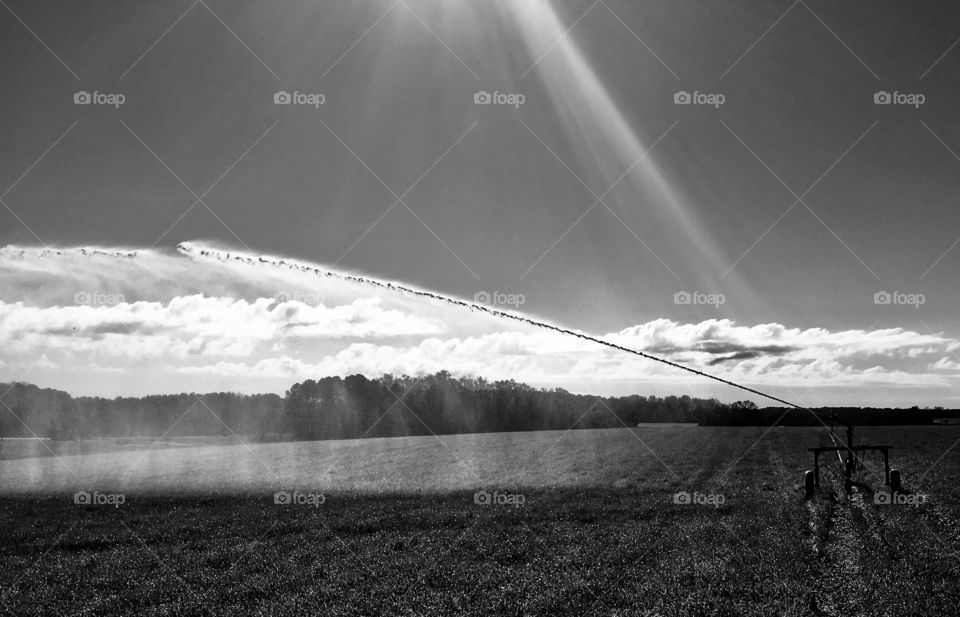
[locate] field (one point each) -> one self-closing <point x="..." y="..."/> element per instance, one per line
<point x="33" y="447"/>
<point x="582" y="522"/>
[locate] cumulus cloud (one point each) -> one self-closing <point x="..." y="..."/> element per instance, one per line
<point x="98" y="313"/>
<point x="946" y="364"/>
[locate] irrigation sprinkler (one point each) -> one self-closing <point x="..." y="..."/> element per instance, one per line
<point x="891" y="476"/>
<point x="849" y="448"/>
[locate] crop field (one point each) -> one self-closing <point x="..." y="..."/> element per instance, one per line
<point x="554" y="523"/>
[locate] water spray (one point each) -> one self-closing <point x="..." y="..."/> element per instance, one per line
<point x="233" y="257"/>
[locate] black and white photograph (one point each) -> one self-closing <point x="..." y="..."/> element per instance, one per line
<point x="479" y="307"/>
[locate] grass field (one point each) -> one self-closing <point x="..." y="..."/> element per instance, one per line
<point x="590" y="527"/>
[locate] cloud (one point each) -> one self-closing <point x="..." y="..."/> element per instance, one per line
<point x="197" y="326"/>
<point x="946" y="364"/>
<point x="92" y="314"/>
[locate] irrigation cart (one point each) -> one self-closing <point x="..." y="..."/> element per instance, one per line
<point x="891" y="477"/>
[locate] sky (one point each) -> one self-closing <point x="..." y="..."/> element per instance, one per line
<point x="788" y="226"/>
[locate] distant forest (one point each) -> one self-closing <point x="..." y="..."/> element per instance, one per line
<point x="355" y="406"/>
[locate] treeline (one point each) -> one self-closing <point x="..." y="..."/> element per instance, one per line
<point x="29" y="411"/>
<point x="335" y="408"/>
<point x="388" y="406"/>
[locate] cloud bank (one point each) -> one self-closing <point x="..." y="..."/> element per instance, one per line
<point x="124" y="321"/>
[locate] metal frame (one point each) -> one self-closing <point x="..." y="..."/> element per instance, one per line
<point x="850" y="463"/>
<point x="848" y="467"/>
